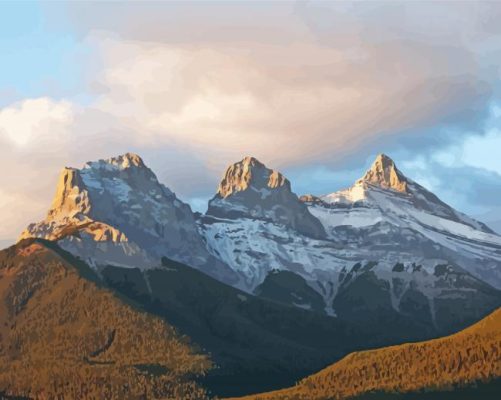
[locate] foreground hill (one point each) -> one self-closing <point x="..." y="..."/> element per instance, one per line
<point x="467" y="358"/>
<point x="62" y="334"/>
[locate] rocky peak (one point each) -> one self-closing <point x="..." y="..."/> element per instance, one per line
<point x="121" y="162"/>
<point x="116" y="211"/>
<point x="251" y="190"/>
<point x="71" y="198"/>
<point x="85" y="192"/>
<point x="249" y="172"/>
<point x="311" y="199"/>
<point x="385" y="174"/>
<point x="400" y="192"/>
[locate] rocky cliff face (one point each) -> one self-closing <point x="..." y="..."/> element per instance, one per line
<point x="385" y="174"/>
<point x="251" y="190"/>
<point x="115" y="211"/>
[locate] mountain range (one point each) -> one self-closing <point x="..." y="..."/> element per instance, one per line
<point x="382" y="248"/>
<point x="268" y="286"/>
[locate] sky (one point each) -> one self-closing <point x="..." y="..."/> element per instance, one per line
<point x="313" y="89"/>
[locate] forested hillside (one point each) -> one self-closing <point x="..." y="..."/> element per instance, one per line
<point x="470" y="357"/>
<point x="65" y="335"/>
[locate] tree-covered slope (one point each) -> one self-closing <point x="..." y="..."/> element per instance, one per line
<point x="468" y="358"/>
<point x="63" y="334"/>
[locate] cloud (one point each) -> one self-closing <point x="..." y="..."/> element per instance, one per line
<point x="35" y="135"/>
<point x="291" y="83"/>
<point x="295" y="104"/>
<point x="295" y="83"/>
<point x="34" y="119"/>
<point x="39" y="136"/>
<point x="312" y="86"/>
<point x="465" y="174"/>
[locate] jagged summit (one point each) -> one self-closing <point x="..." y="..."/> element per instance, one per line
<point x="385" y="174"/>
<point x="70" y="198"/>
<point x="251" y="190"/>
<point x="120" y="162"/>
<point x="80" y="193"/>
<point x="384" y="195"/>
<point x="249" y="172"/>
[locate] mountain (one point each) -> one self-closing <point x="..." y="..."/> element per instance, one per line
<point x="384" y="209"/>
<point x="250" y="190"/>
<point x="390" y="248"/>
<point x="115" y="211"/>
<point x="64" y="335"/>
<point x="455" y="363"/>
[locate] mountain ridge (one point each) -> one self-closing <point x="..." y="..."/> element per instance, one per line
<point x="369" y="224"/>
<point x="385" y="257"/>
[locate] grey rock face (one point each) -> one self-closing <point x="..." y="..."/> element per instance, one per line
<point x="250" y="190"/>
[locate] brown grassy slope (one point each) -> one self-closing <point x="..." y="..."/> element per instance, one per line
<point x="62" y="334"/>
<point x="471" y="355"/>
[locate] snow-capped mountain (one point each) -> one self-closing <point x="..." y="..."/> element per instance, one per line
<point x="386" y="212"/>
<point x="385" y="235"/>
<point x="115" y="211"/>
<point x="383" y="183"/>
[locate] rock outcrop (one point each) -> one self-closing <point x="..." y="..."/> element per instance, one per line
<point x="385" y="174"/>
<point x="251" y="190"/>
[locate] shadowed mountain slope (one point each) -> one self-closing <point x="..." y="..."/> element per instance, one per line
<point x="255" y="343"/>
